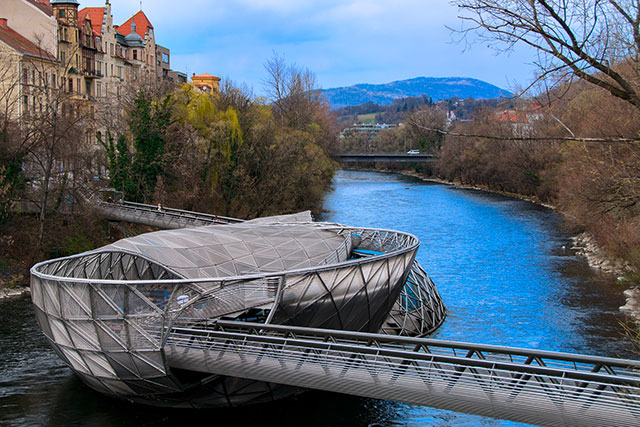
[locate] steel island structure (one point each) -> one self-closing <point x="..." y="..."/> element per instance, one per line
<point x="128" y="317"/>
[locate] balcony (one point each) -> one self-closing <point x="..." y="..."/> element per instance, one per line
<point x="91" y="74"/>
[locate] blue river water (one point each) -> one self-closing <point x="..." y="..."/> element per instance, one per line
<point x="502" y="266"/>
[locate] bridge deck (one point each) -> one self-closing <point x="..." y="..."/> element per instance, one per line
<point x="160" y="217"/>
<point x="385" y="157"/>
<point x="522" y="385"/>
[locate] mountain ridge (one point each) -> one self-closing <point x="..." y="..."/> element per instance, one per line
<point x="438" y="88"/>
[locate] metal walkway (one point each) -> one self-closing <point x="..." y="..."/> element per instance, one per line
<point x="384" y="157"/>
<point x="161" y="217"/>
<point x="531" y="386"/>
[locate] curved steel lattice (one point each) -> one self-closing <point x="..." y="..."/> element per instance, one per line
<point x="108" y="312"/>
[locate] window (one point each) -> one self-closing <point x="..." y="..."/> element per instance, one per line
<point x="135" y="54"/>
<point x="111" y="48"/>
<point x="70" y="85"/>
<point x="64" y="35"/>
<point x="53" y="80"/>
<point x="25" y="76"/>
<point x="78" y="85"/>
<point x="112" y="69"/>
<point x="25" y="103"/>
<point x="62" y="57"/>
<point x="98" y="89"/>
<point x="61" y="13"/>
<point x="165" y="58"/>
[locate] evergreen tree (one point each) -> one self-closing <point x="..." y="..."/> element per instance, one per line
<point x="148" y="124"/>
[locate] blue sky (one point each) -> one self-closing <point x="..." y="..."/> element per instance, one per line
<point x="342" y="42"/>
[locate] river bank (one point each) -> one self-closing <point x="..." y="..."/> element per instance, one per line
<point x="13" y="285"/>
<point x="15" y="292"/>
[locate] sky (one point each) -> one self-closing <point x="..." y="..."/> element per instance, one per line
<point x="343" y="42"/>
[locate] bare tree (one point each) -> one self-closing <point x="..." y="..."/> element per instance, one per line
<point x="51" y="123"/>
<point x="594" y="40"/>
<point x="418" y="125"/>
<point x="293" y="92"/>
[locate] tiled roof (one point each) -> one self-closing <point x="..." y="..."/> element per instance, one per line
<point x="21" y="44"/>
<point x="205" y="76"/>
<point x="142" y="23"/>
<point x="96" y="15"/>
<point x="43" y="7"/>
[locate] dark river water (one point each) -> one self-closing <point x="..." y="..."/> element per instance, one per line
<point x="501" y="265"/>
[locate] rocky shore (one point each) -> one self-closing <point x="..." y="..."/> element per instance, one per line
<point x="585" y="245"/>
<point x="17" y="292"/>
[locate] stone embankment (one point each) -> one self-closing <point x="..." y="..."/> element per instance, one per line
<point x="584" y="245"/>
<point x="14" y="292"/>
<point x="13" y="285"/>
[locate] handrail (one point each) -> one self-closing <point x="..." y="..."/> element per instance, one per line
<point x="533" y="386"/>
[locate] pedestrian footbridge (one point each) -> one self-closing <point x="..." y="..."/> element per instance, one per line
<point x="532" y="386"/>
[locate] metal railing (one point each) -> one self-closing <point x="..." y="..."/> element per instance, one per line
<point x="159" y="216"/>
<point x="385" y="157"/>
<point x="539" y="387"/>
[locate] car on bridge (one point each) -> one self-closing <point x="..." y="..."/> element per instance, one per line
<point x="413" y="152"/>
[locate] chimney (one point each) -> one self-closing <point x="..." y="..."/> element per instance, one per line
<point x="3" y="23"/>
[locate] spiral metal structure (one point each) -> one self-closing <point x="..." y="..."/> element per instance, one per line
<point x="109" y="313"/>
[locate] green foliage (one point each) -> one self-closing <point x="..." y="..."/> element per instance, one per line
<point x="119" y="165"/>
<point x="12" y="180"/>
<point x="148" y="123"/>
<point x="242" y="161"/>
<point x="76" y="243"/>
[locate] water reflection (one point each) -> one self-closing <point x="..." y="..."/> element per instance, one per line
<point x="497" y="261"/>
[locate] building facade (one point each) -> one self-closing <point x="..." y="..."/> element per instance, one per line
<point x="206" y="82"/>
<point x="28" y="74"/>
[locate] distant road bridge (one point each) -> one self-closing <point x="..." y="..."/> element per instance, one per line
<point x="384" y="157"/>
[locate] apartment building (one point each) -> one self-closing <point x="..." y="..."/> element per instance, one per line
<point x="28" y="73"/>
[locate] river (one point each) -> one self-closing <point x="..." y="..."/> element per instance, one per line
<point x="502" y="266"/>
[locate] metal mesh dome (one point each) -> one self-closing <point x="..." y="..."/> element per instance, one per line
<point x="112" y="314"/>
<point x="235" y="250"/>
